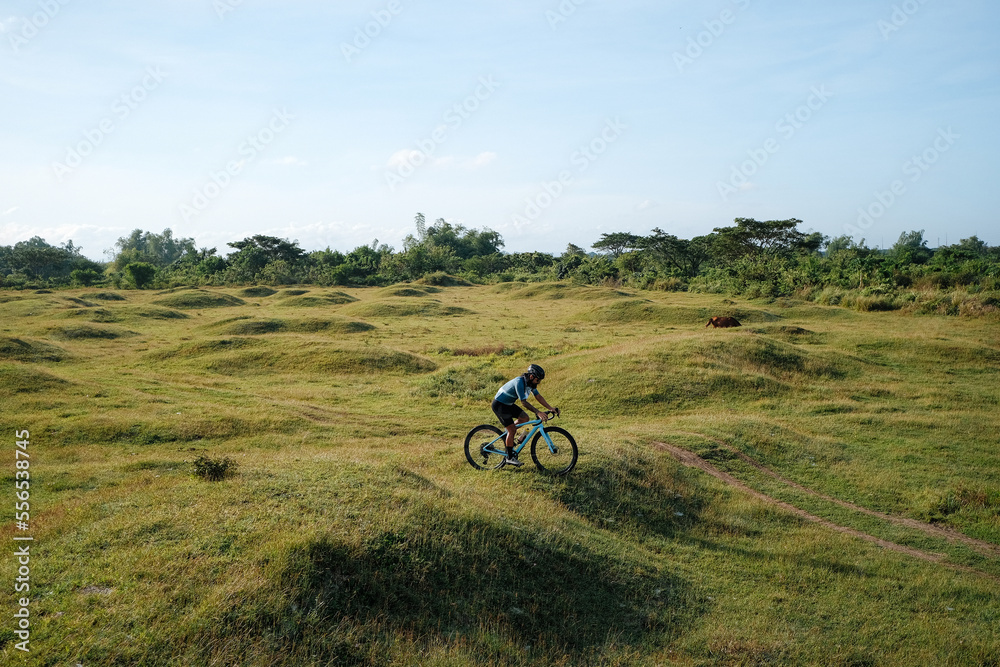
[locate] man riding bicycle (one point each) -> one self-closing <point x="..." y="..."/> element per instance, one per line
<point x="510" y="414"/>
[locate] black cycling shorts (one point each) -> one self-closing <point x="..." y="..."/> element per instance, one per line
<point x="507" y="413"/>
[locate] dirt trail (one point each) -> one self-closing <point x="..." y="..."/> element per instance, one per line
<point x="950" y="534"/>
<point x="693" y="460"/>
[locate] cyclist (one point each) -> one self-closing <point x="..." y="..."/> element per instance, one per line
<point x="510" y="414"/>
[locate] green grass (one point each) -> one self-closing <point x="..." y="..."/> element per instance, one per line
<point x="353" y="531"/>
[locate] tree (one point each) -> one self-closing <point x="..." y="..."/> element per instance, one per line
<point x="911" y="248"/>
<point x="679" y="255"/>
<point x="38" y="260"/>
<point x="157" y="249"/>
<point x="259" y="251"/>
<point x="771" y="237"/>
<point x="272" y="248"/>
<point x="421" y="224"/>
<point x="140" y="273"/>
<point x="442" y="237"/>
<point x="617" y="243"/>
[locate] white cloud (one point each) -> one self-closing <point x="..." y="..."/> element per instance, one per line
<point x="415" y="158"/>
<point x="481" y="160"/>
<point x="290" y="161"/>
<point x="646" y="205"/>
<point x="9" y="211"/>
<point x="403" y="157"/>
<point x="8" y="23"/>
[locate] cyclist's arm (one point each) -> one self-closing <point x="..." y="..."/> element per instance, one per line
<point x="544" y="402"/>
<point x="538" y="413"/>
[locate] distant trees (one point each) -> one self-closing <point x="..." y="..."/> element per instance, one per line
<point x="754" y="258"/>
<point x="35" y="261"/>
<point x="156" y="249"/>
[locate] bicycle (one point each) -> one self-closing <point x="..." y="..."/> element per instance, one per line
<point x="486" y="448"/>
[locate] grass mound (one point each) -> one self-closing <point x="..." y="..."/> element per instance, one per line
<point x="78" y="303"/>
<point x="83" y="331"/>
<point x="317" y="301"/>
<point x="328" y="358"/>
<point x="292" y="292"/>
<point x="558" y="291"/>
<point x="427" y="308"/>
<point x="16" y="349"/>
<point x="97" y="315"/>
<point x="239" y="355"/>
<point x="20" y="379"/>
<point x="198" y="299"/>
<point x="634" y="488"/>
<point x="500" y="349"/>
<point x="657" y="379"/>
<point x="790" y="334"/>
<point x="257" y="327"/>
<point x="477" y="382"/>
<point x="428" y="580"/>
<point x="642" y="310"/>
<point x="103" y="296"/>
<point x="259" y="291"/>
<point x="154" y="313"/>
<point x="406" y="291"/>
<point x="206" y="347"/>
<point x="755" y="355"/>
<point x="694" y="371"/>
<point x="441" y="279"/>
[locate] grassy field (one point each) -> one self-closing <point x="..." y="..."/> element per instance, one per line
<point x="353" y="532"/>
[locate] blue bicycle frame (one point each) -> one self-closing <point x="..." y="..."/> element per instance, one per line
<point x="499" y="444"/>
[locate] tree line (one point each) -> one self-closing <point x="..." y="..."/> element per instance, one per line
<point x="753" y="258"/>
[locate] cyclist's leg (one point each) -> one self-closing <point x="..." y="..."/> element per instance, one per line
<point x="512" y="429"/>
<point x="510" y="416"/>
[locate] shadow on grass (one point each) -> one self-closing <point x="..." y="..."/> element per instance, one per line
<point x="636" y="490"/>
<point x="482" y="583"/>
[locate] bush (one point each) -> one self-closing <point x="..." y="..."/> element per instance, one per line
<point x="141" y="274"/>
<point x="85" y="277"/>
<point x="213" y="470"/>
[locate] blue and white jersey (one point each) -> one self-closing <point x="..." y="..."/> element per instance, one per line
<point x="515" y="389"/>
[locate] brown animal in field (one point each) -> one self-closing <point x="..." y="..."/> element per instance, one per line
<point x="723" y="322"/>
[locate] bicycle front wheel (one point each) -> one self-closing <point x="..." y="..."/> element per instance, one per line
<point x="561" y="458"/>
<point x="475" y="447"/>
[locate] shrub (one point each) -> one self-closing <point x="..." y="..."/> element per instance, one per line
<point x="213" y="470"/>
<point x="141" y="274"/>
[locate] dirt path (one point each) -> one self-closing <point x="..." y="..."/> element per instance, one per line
<point x="693" y="460"/>
<point x="950" y="534"/>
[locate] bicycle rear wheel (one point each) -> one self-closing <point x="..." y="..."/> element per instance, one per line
<point x="476" y="441"/>
<point x="560" y="461"/>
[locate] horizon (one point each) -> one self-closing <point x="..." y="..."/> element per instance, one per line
<point x="550" y="124"/>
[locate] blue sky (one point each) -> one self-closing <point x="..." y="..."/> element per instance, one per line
<point x="551" y="122"/>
